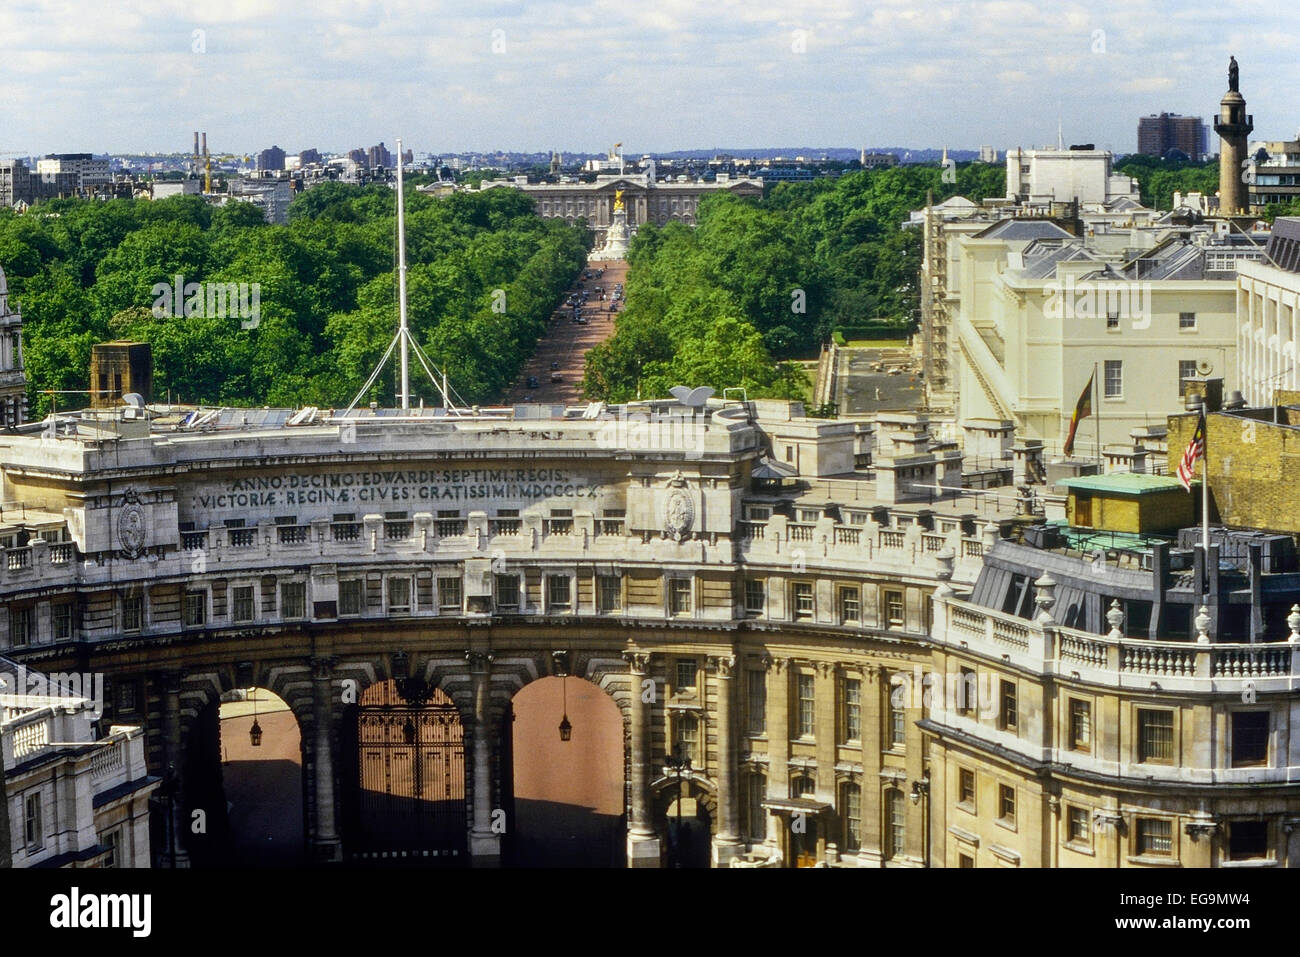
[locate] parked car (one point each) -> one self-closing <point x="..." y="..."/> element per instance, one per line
<point x="556" y="377"/>
<point x="532" y="382"/>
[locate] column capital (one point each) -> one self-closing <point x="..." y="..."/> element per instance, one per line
<point x="322" y="667"/>
<point x="480" y="662"/>
<point x="638" y="661"/>
<point x="724" y="665"/>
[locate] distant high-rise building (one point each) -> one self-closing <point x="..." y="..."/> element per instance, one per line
<point x="378" y="156"/>
<point x="309" y="157"/>
<point x="988" y="154"/>
<point x="270" y="159"/>
<point x="1158" y="134"/>
<point x="83" y="168"/>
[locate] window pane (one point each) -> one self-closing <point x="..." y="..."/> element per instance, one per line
<point x="852" y="709"/>
<point x="1114" y="379"/>
<point x="1156" y="735"/>
<point x="757" y="701"/>
<point x="807" y="712"/>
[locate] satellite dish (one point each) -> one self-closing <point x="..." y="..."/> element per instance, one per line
<point x="1204" y="367"/>
<point x="695" y="398"/>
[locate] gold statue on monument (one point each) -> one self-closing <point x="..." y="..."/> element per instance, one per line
<point x="618" y="200"/>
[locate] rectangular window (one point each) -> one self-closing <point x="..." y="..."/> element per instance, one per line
<point x="33" y="825"/>
<point x="851" y="803"/>
<point x="1114" y="379"/>
<point x="756" y="697"/>
<point x="897" y="726"/>
<point x="852" y="709"/>
<point x="757" y="813"/>
<point x="1155" y="736"/>
<point x="560" y="522"/>
<point x="1007" y="804"/>
<point x="1249" y="739"/>
<point x="1112" y="320"/>
<point x="895" y="822"/>
<point x="685" y="678"/>
<point x="1186" y="370"/>
<point x="293" y="599"/>
<point x="807" y="710"/>
<point x="679" y="596"/>
<point x="196" y="608"/>
<point x="558" y="591"/>
<point x="894" y="609"/>
<point x="351" y="596"/>
<point x="1080" y="725"/>
<point x="611" y="592"/>
<point x="967" y="693"/>
<point x="1187" y="320"/>
<point x="242" y="603"/>
<point x="449" y="594"/>
<point x="803" y="600"/>
<point x="965" y="862"/>
<point x="1078" y="830"/>
<point x="1155" y="836"/>
<point x="507" y="591"/>
<point x="1247" y="840"/>
<point x="113" y="841"/>
<point x="20" y="627"/>
<point x="850" y="605"/>
<point x="755" y="595"/>
<point x="399" y="594"/>
<point x="1008" y="712"/>
<point x="62" y="615"/>
<point x="127" y="697"/>
<point x="966" y="789"/>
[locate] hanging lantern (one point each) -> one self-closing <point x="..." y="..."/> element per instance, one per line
<point x="566" y="729"/>
<point x="255" y="734"/>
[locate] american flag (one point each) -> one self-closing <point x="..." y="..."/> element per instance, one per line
<point x="1195" y="450"/>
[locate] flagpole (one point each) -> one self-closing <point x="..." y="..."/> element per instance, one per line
<point x="1096" y="404"/>
<point x="1205" y="487"/>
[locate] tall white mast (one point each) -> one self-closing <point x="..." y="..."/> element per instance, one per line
<point x="403" y="333"/>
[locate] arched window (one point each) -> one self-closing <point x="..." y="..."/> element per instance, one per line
<point x="851" y="816"/>
<point x="894" y="833"/>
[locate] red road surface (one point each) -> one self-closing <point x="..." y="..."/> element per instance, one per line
<point x="566" y="343"/>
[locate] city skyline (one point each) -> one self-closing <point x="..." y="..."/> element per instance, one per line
<point x="671" y="77"/>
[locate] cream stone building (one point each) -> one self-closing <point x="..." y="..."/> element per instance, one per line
<point x="746" y="593"/>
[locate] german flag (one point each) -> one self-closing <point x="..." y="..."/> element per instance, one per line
<point x="1082" y="409"/>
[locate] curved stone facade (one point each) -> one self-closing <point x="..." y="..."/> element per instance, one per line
<point x="767" y="625"/>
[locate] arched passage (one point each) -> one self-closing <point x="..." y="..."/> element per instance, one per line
<point x="262" y="782"/>
<point x="405" y="801"/>
<point x="568" y="795"/>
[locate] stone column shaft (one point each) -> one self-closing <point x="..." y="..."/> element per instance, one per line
<point x="325" y="841"/>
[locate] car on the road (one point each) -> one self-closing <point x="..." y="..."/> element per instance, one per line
<point x="554" y="366"/>
<point x="532" y="382"/>
<point x="556" y="377"/>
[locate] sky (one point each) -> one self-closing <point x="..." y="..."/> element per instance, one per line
<point x="656" y="75"/>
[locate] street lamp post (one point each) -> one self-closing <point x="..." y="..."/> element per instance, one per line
<point x="680" y="766"/>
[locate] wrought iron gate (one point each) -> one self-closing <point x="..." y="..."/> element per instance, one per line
<point x="411" y="747"/>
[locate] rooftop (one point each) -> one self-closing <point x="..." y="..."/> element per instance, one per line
<point x="1123" y="483"/>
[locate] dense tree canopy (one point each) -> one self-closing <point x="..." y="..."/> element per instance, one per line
<point x="484" y="272"/>
<point x="1158" y="179"/>
<point x="770" y="278"/>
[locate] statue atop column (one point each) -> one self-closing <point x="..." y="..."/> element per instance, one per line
<point x="618" y="195"/>
<point x="1232" y="74"/>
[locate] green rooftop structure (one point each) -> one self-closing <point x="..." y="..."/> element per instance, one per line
<point x="1133" y="502"/>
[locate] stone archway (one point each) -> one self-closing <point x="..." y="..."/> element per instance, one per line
<point x="688" y="838"/>
<point x="406" y="777"/>
<point x="567" y="796"/>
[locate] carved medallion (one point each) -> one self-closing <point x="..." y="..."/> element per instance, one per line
<point x="679" y="514"/>
<point x="131" y="525"/>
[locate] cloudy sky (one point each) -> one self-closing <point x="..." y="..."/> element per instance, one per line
<point x="655" y="74"/>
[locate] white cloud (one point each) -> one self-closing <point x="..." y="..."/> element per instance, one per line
<point x="661" y="75"/>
